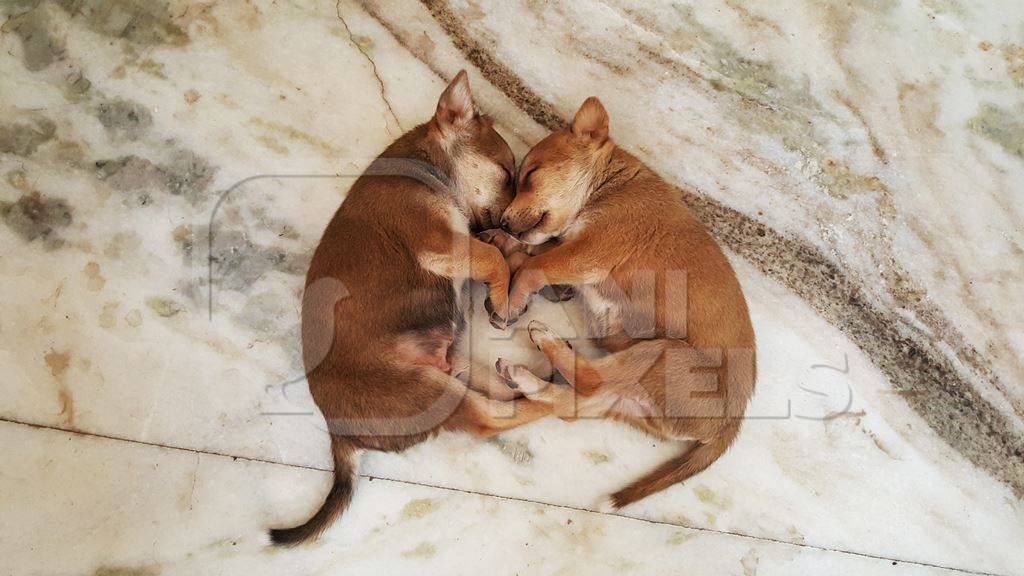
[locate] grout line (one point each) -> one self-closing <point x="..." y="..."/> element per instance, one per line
<point x="158" y="444"/>
<point x="685" y="527"/>
<point x="501" y="497"/>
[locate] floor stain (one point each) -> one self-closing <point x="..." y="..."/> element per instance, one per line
<point x="238" y="262"/>
<point x="122" y="244"/>
<point x="108" y="316"/>
<point x="418" y="508"/>
<point x="680" y="537"/>
<point x="1002" y="126"/>
<point x="139" y="21"/>
<point x="164" y="307"/>
<point x="133" y="318"/>
<point x="94" y="277"/>
<point x="1013" y="55"/>
<point x="185" y="174"/>
<point x="144" y="64"/>
<point x="424" y="550"/>
<point x="124" y="118"/>
<point x="517" y="450"/>
<point x="41" y="44"/>
<point x="58" y="363"/>
<point x="24" y="137"/>
<point x="292" y="133"/>
<point x="35" y="215"/>
<point x="712" y="498"/>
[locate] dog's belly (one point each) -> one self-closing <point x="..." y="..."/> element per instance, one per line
<point x="602" y="315"/>
<point x="483" y="344"/>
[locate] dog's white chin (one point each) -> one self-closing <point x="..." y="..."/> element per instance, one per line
<point x="535" y="238"/>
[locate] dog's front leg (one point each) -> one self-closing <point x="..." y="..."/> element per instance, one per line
<point x="514" y="251"/>
<point x="476" y="260"/>
<point x="563" y="264"/>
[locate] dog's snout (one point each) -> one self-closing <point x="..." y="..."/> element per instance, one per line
<point x="518" y="229"/>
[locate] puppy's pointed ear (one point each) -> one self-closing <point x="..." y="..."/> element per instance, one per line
<point x="591" y="121"/>
<point x="456" y="103"/>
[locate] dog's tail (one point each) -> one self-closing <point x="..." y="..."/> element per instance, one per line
<point x="336" y="502"/>
<point x="676" y="470"/>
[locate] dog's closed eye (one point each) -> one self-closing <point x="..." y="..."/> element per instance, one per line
<point x="526" y="178"/>
<point x="540" y="222"/>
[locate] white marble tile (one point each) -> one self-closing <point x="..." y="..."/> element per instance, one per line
<point x="123" y="301"/>
<point x="104" y="325"/>
<point x="83" y="505"/>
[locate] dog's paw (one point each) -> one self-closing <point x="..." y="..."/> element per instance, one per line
<point x="502" y="240"/>
<point x="541" y="333"/>
<point x="558" y="293"/>
<point x="489" y="235"/>
<point x="492" y="315"/>
<point x="502" y="368"/>
<point x="515" y="313"/>
<point x="497" y="321"/>
<point x="519" y="377"/>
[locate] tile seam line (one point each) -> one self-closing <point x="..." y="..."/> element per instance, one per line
<point x="371" y="478"/>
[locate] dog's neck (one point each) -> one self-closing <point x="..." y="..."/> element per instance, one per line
<point x="414" y="155"/>
<point x="612" y="174"/>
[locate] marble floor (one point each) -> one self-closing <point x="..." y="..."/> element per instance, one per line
<point x="166" y="170"/>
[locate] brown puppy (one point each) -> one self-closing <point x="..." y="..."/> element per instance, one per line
<point x="660" y="296"/>
<point x="381" y="311"/>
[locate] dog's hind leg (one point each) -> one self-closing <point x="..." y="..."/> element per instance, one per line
<point x="613" y="383"/>
<point x="483" y="416"/>
<point x="482" y="378"/>
<point x="560" y="398"/>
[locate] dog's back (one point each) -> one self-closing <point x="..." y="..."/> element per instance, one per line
<point x="367" y="258"/>
<point x="379" y="314"/>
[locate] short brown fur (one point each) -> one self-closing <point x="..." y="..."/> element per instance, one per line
<point x="681" y="364"/>
<point x="381" y="310"/>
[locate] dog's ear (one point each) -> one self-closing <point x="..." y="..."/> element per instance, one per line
<point x="591" y="121"/>
<point x="456" y="102"/>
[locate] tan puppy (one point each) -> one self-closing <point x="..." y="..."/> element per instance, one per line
<point x="381" y="313"/>
<point x="660" y="296"/>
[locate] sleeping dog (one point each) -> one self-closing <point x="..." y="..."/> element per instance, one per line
<point x="381" y="309"/>
<point x="660" y="298"/>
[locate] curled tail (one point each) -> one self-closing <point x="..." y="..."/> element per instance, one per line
<point x="336" y="502"/>
<point x="676" y="470"/>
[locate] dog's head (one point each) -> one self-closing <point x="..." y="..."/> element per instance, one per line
<point x="478" y="160"/>
<point x="557" y="176"/>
